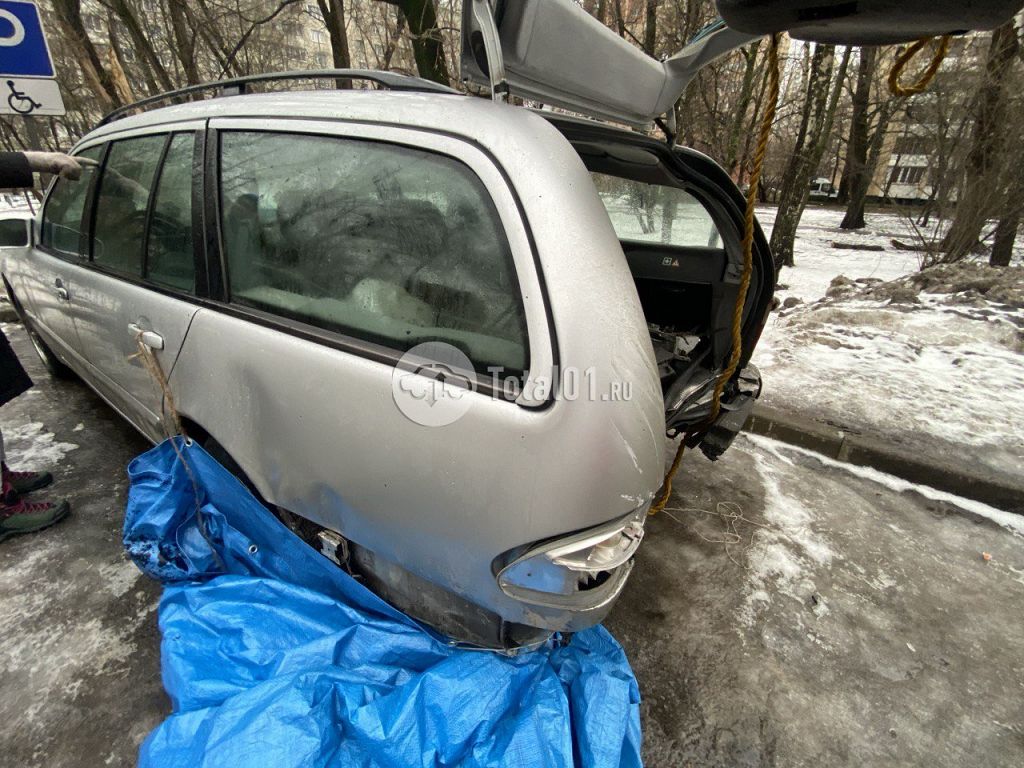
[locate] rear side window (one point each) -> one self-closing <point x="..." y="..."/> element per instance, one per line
<point x="387" y="243"/>
<point x="121" y="200"/>
<point x="13" y="233"/>
<point x="63" y="224"/>
<point x="169" y="252"/>
<point x="652" y="213"/>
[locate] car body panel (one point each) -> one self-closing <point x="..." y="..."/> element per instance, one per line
<point x="311" y="420"/>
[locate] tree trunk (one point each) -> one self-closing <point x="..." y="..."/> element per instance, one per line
<point x="620" y="21"/>
<point x="979" y="196"/>
<point x="333" y="12"/>
<point x="115" y="66"/>
<point x="651" y="27"/>
<point x="857" y="177"/>
<point x="1006" y="233"/>
<point x="815" y="124"/>
<point x="393" y="37"/>
<point x="141" y="42"/>
<point x="744" y="158"/>
<point x="69" y="17"/>
<point x="427" y="44"/>
<point x="746" y="93"/>
<point x="183" y="26"/>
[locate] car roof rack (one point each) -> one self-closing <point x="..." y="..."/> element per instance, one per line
<point x="236" y="86"/>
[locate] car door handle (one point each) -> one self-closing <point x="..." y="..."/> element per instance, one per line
<point x="151" y="339"/>
<point x="60" y="290"/>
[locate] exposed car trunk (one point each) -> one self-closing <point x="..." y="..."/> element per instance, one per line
<point x="679" y="218"/>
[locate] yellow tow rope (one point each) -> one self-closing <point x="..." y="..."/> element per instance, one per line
<point x="748" y="268"/>
<point x="767" y="119"/>
<point x="896" y="87"/>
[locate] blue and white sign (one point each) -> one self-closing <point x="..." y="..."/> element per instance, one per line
<point x="23" y="49"/>
<point x="27" y="84"/>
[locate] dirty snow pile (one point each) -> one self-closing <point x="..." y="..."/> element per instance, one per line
<point x="930" y="361"/>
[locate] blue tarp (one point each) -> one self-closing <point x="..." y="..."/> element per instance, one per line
<point x="273" y="656"/>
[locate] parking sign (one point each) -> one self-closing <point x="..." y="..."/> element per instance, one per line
<point x="27" y="84"/>
<point x="23" y="49"/>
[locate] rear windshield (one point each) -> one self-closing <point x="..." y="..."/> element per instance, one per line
<point x="652" y="213"/>
<point x="13" y="233"/>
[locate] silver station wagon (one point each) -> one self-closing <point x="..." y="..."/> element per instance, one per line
<point x="442" y="336"/>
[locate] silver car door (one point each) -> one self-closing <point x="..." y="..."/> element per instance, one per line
<point x="45" y="283"/>
<point x="293" y="375"/>
<point x="139" y="284"/>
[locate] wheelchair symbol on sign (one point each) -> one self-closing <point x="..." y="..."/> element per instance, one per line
<point x="21" y="102"/>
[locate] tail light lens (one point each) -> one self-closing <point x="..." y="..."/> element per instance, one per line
<point x="567" y="568"/>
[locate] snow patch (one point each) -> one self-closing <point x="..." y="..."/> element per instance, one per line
<point x="783" y="554"/>
<point x="120" y="577"/>
<point x="952" y="372"/>
<point x="30" y="447"/>
<point x="1012" y="522"/>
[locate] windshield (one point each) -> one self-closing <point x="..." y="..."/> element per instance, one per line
<point x="651" y="213"/>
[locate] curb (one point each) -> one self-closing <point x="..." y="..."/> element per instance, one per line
<point x="867" y="452"/>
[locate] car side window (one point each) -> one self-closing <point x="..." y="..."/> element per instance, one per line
<point x="387" y="243"/>
<point x="169" y="253"/>
<point x="121" y="200"/>
<point x="63" y="216"/>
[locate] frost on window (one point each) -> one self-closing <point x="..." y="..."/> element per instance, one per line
<point x="651" y="213"/>
<point x="388" y="243"/>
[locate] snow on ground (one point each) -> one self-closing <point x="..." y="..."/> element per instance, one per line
<point x="817" y="262"/>
<point x="934" y="375"/>
<point x="30" y="446"/>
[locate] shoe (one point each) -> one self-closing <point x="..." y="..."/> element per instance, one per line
<point x="26" y="482"/>
<point x="21" y="516"/>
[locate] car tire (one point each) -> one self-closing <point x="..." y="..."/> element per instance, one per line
<point x="52" y="363"/>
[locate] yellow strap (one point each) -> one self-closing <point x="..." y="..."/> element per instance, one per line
<point x="748" y="268"/>
<point x="896" y="87"/>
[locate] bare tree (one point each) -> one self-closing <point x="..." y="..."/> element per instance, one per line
<point x="976" y="201"/>
<point x="818" y="114"/>
<point x="427" y="42"/>
<point x="333" y="12"/>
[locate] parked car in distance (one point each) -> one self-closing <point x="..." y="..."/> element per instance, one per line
<point x="282" y="253"/>
<point x="822" y="189"/>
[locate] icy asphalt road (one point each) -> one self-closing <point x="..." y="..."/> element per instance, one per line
<point x="849" y="623"/>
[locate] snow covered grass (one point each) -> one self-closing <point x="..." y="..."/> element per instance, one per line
<point x="817" y="262"/>
<point x="933" y="369"/>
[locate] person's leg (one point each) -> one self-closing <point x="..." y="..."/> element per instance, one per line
<point x="17" y="514"/>
<point x="22" y="482"/>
